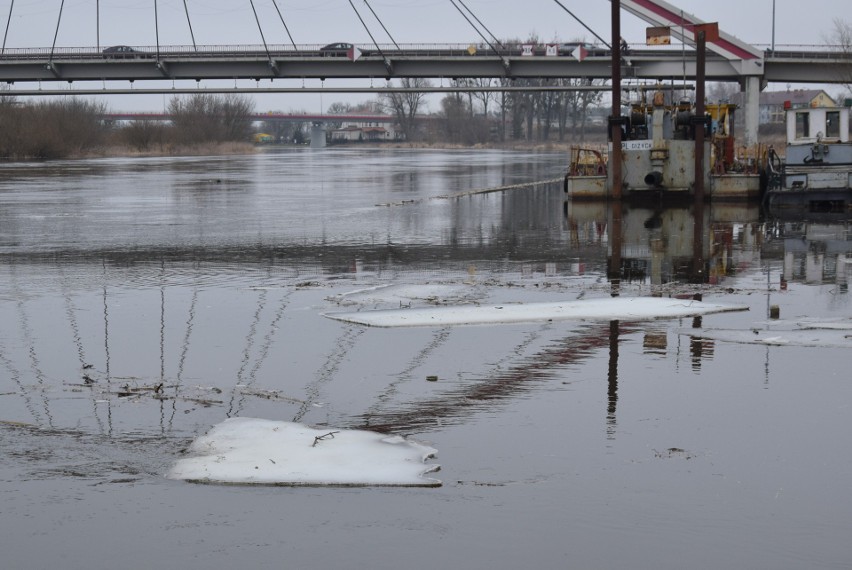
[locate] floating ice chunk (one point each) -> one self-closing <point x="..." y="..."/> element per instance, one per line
<point x="611" y="308"/>
<point x="264" y="452"/>
<point x="405" y="294"/>
<point x="811" y="337"/>
<point x="837" y="325"/>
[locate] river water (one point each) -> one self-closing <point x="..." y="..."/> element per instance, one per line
<point x="143" y="301"/>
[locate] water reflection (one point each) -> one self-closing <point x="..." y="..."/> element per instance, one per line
<point x="198" y="293"/>
<point x="498" y="388"/>
<point x="667" y="245"/>
<point x="654" y="254"/>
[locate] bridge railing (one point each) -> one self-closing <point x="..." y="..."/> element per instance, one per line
<point x="282" y="51"/>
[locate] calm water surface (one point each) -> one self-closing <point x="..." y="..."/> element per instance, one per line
<point x="143" y="301"/>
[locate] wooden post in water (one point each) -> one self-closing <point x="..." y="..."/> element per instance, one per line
<point x="698" y="122"/>
<point x="615" y="118"/>
<point x="615" y="160"/>
<point x="703" y="34"/>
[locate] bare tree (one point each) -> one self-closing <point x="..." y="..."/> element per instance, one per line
<point x="405" y="105"/>
<point x="578" y="104"/>
<point x="841" y="37"/>
<point x="51" y="129"/>
<point x="204" y="117"/>
<point x="722" y="91"/>
<point x="236" y="111"/>
<point x="458" y="124"/>
<point x="484" y="97"/>
<point x="337" y="108"/>
<point x="143" y="135"/>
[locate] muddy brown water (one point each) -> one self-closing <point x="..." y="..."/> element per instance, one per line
<point x="144" y="300"/>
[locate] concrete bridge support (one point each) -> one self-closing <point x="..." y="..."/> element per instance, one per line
<point x="318" y="135"/>
<point x="751" y="88"/>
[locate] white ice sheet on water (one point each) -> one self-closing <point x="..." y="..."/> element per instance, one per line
<point x="610" y="308"/>
<point x="395" y="294"/>
<point x="265" y="452"/>
<point x="804" y="337"/>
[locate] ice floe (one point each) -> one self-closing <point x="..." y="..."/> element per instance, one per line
<point x="265" y="452"/>
<point x="826" y="337"/>
<point x="393" y="294"/>
<point x="839" y="325"/>
<point x="610" y="308"/>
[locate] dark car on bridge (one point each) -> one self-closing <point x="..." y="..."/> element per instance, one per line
<point x="121" y="52"/>
<point x="339" y="49"/>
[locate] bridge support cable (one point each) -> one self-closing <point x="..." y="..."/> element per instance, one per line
<point x="189" y="23"/>
<point x="286" y="29"/>
<point x="376" y="16"/>
<point x="8" y="21"/>
<point x="157" y="30"/>
<point x="98" y="24"/>
<point x="600" y="39"/>
<point x="369" y="33"/>
<point x="479" y="32"/>
<point x="478" y="21"/>
<point x="272" y="65"/>
<point x="50" y="65"/>
<point x="161" y="65"/>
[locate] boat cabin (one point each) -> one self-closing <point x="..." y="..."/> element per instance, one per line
<point x="817" y="124"/>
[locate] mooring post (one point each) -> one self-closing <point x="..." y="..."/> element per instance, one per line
<point x="615" y="122"/>
<point x="615" y="119"/>
<point x="699" y="121"/>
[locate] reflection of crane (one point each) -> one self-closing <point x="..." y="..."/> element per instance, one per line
<point x="263" y="352"/>
<point x="503" y="384"/>
<point x="343" y="345"/>
<point x="439" y="337"/>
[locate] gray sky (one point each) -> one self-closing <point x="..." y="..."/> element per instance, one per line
<point x="217" y="22"/>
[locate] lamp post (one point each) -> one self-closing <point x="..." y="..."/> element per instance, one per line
<point x="773" y="26"/>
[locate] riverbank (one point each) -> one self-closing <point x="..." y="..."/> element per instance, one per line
<point x="201" y="149"/>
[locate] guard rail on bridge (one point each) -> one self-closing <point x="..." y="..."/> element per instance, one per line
<point x="514" y="61"/>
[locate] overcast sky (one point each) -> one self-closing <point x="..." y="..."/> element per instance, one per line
<point x="218" y="22"/>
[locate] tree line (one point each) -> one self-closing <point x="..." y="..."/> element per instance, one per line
<point x="73" y="127"/>
<point x="474" y="116"/>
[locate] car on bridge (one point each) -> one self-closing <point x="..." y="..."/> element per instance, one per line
<point x="339" y="49"/>
<point x="121" y="52"/>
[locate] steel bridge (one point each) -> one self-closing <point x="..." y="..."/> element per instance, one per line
<point x="446" y="62"/>
<point x="507" y="67"/>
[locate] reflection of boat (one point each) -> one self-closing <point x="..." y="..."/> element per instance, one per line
<point x="661" y="245"/>
<point x="816" y="171"/>
<point x="817" y="253"/>
<point x="658" y="156"/>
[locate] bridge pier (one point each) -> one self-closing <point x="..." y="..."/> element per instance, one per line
<point x="318" y="135"/>
<point x="751" y="89"/>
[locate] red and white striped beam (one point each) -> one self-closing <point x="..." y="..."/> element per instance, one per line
<point x="682" y="25"/>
